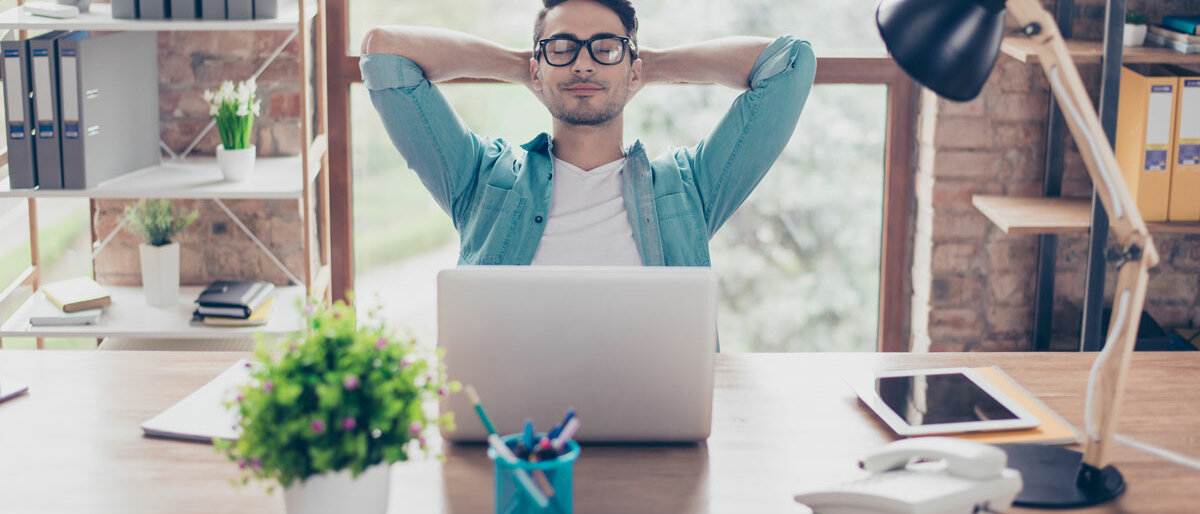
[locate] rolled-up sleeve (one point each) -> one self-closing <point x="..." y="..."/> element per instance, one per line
<point x="431" y="137"/>
<point x="734" y="158"/>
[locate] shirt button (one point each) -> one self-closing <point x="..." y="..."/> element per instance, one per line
<point x="537" y="219"/>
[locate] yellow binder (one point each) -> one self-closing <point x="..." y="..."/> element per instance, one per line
<point x="1145" y="133"/>
<point x="1185" y="177"/>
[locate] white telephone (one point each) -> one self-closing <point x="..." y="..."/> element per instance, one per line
<point x="967" y="477"/>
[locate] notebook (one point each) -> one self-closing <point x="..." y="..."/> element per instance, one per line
<point x="77" y="294"/>
<point x="258" y="318"/>
<point x="46" y="314"/>
<point x="202" y="415"/>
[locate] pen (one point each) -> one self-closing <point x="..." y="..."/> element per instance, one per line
<point x="487" y="423"/>
<point x="529" y="434"/>
<point x="567" y="432"/>
<point x="558" y="428"/>
<point x="503" y="452"/>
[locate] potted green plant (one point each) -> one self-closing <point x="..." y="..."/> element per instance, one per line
<point x="157" y="221"/>
<point x="328" y="411"/>
<point x="234" y="108"/>
<point x="1135" y="28"/>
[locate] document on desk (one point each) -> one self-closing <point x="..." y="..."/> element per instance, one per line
<point x="202" y="415"/>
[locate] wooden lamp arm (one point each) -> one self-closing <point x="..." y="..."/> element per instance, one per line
<point x="1139" y="253"/>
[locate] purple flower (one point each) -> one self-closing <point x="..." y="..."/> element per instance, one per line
<point x="242" y="464"/>
<point x="268" y="386"/>
<point x="292" y="347"/>
<point x="349" y="423"/>
<point x="318" y="426"/>
<point x="247" y="365"/>
<point x="351" y="382"/>
<point x="381" y="342"/>
<point x="421" y="442"/>
<point x="256" y="463"/>
<point x="415" y="427"/>
<point x="442" y="391"/>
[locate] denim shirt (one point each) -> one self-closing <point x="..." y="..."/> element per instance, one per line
<point x="498" y="194"/>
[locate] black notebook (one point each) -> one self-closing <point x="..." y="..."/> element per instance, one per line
<point x="234" y="299"/>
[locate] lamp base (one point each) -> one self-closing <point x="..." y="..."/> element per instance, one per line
<point x="1057" y="478"/>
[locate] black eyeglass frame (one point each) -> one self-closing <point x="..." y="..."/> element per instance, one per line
<point x="540" y="49"/>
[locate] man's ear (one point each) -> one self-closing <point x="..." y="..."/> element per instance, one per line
<point x="535" y="75"/>
<point x="635" y="76"/>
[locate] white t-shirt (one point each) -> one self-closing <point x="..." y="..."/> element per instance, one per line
<point x="587" y="224"/>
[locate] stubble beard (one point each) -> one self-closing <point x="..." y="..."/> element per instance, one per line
<point x="583" y="112"/>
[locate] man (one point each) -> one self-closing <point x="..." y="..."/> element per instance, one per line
<point x="581" y="197"/>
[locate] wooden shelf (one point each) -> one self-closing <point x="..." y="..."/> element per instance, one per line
<point x="100" y="17"/>
<point x="1037" y="215"/>
<point x="195" y="177"/>
<point x="129" y="316"/>
<point x="1022" y="215"/>
<point x="1089" y="52"/>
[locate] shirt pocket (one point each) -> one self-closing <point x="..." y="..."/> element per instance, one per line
<point x="495" y="224"/>
<point x="679" y="227"/>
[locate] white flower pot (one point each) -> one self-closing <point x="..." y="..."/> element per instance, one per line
<point x="1135" y="35"/>
<point x="235" y="165"/>
<point x="338" y="492"/>
<point x="160" y="274"/>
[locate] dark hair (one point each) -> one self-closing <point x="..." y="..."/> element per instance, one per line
<point x="623" y="8"/>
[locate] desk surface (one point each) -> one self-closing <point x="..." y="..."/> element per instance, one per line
<point x="780" y="422"/>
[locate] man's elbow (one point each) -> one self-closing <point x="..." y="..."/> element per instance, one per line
<point x="370" y="42"/>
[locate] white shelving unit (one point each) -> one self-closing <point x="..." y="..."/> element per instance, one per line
<point x="99" y="17"/>
<point x="129" y="316"/>
<point x="180" y="177"/>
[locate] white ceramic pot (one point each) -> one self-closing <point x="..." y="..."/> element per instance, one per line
<point x="1135" y="35"/>
<point x="160" y="274"/>
<point x="338" y="492"/>
<point x="235" y="165"/>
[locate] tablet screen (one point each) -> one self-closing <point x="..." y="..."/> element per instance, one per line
<point x="934" y="399"/>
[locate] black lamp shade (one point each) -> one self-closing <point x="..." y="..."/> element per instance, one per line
<point x="949" y="46"/>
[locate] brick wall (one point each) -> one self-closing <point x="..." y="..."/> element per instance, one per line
<point x="213" y="247"/>
<point x="973" y="285"/>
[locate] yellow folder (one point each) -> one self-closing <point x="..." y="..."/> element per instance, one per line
<point x="1185" y="177"/>
<point x="1145" y="135"/>
<point x="1053" y="431"/>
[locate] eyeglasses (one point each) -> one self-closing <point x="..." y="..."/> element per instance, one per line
<point x="562" y="51"/>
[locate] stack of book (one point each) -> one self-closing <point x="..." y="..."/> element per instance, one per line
<point x="235" y="303"/>
<point x="77" y="301"/>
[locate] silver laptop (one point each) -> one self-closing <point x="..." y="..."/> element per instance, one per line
<point x="630" y="349"/>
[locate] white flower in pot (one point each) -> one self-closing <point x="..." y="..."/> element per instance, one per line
<point x="1135" y="28"/>
<point x="234" y="108"/>
<point x="157" y="222"/>
<point x="329" y="410"/>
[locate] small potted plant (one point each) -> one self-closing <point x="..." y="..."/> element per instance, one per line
<point x="328" y="411"/>
<point x="157" y="222"/>
<point x="234" y="108"/>
<point x="1135" y="28"/>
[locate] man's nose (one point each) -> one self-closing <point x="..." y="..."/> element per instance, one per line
<point x="583" y="63"/>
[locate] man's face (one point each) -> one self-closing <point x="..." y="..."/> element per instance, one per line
<point x="585" y="92"/>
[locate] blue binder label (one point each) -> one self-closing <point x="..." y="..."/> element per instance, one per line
<point x="1191" y="83"/>
<point x="1153" y="89"/>
<point x="41" y="52"/>
<point x="1189" y="154"/>
<point x="71" y="130"/>
<point x="69" y="52"/>
<point x="45" y="130"/>
<point x="1156" y="160"/>
<point x="16" y="131"/>
<point x="12" y="53"/>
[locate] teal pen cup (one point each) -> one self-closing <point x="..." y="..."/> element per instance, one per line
<point x="511" y="498"/>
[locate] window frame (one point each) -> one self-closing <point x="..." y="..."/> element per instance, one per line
<point x="895" y="250"/>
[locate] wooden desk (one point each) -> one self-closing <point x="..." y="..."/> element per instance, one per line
<point x="779" y="422"/>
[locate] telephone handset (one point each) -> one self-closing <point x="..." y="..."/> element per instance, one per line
<point x="964" y="477"/>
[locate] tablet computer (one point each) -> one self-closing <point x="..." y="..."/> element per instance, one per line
<point x="940" y="401"/>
